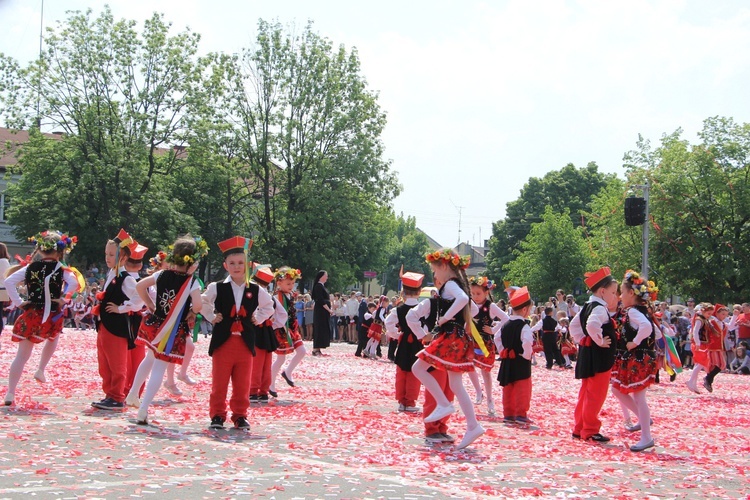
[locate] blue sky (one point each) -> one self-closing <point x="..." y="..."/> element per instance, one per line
<point x="482" y="95"/>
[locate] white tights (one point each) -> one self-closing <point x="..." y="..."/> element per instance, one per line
<point x="25" y="348"/>
<point x="299" y="353"/>
<point x="141" y="375"/>
<point x="152" y="387"/>
<point x="487" y="378"/>
<point x="419" y="369"/>
<point x="189" y="350"/>
<point x="636" y="402"/>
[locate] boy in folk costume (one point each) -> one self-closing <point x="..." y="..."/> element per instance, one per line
<point x="134" y="308"/>
<point x="594" y="331"/>
<point x="114" y="338"/>
<point x="514" y="342"/>
<point x="234" y="306"/>
<point x="42" y="317"/>
<point x="265" y="341"/>
<point x="407" y="385"/>
<point x="287" y="333"/>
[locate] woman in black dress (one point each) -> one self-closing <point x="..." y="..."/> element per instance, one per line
<point x="321" y="314"/>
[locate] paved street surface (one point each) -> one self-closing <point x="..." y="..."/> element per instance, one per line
<point x="338" y="435"/>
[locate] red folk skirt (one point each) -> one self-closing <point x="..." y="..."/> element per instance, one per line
<point x="633" y="370"/>
<point x="451" y="350"/>
<point x="29" y="326"/>
<point x="147" y="333"/>
<point x="486" y="362"/>
<point x="284" y="347"/>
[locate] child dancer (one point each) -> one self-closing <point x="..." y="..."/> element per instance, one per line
<point x="407" y="385"/>
<point x="452" y="349"/>
<point x="514" y="341"/>
<point x="635" y="362"/>
<point x="567" y="347"/>
<point x="489" y="320"/>
<point x="375" y="331"/>
<point x="79" y="310"/>
<point x="41" y="318"/>
<point x="287" y="334"/>
<point x="594" y="331"/>
<point x="166" y="327"/>
<point x="113" y="339"/>
<point x="133" y="307"/>
<point x="265" y="341"/>
<point x="707" y="339"/>
<point x="233" y="306"/>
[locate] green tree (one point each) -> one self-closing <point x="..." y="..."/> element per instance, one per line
<point x="569" y="188"/>
<point x="609" y="241"/>
<point x="553" y="255"/>
<point x="309" y="131"/>
<point x="122" y="99"/>
<point x="700" y="202"/>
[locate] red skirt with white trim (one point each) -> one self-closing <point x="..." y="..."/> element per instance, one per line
<point x="451" y="350"/>
<point x="147" y="333"/>
<point x="633" y="370"/>
<point x="284" y="347"/>
<point x="486" y="362"/>
<point x="29" y="326"/>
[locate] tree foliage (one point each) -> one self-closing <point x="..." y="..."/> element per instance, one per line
<point x="407" y="248"/>
<point x="569" y="188"/>
<point x="700" y="202"/>
<point x="552" y="255"/>
<point x="121" y="99"/>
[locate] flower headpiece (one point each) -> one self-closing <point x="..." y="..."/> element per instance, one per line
<point x="482" y="281"/>
<point x="646" y="290"/>
<point x="292" y="274"/>
<point x="64" y="244"/>
<point x="157" y="259"/>
<point x="449" y="257"/>
<point x="201" y="250"/>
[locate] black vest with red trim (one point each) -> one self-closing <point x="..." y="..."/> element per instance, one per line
<point x="115" y="323"/>
<point x="591" y="358"/>
<point x="628" y="333"/>
<point x="513" y="366"/>
<point x="36" y="272"/>
<point x="408" y="345"/>
<point x="483" y="319"/>
<point x="224" y="304"/>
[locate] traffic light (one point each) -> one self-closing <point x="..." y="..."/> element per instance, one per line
<point x="635" y="211"/>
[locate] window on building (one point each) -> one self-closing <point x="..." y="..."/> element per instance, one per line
<point x="4" y="206"/>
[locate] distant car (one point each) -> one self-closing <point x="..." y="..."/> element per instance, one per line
<point x="427" y="292"/>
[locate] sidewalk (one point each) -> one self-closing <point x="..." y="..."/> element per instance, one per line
<point x="338" y="435"/>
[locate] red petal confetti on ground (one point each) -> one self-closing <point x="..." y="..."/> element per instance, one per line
<point x="338" y="434"/>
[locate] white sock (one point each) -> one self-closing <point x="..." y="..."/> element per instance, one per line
<point x="299" y="353"/>
<point x="154" y="383"/>
<point x="474" y="377"/>
<point x="464" y="400"/>
<point x="25" y="348"/>
<point x="419" y="369"/>
<point x="276" y="369"/>
<point x="189" y="350"/>
<point x="644" y="416"/>
<point x="487" y="376"/>
<point x="47" y="351"/>
<point x="694" y="374"/>
<point x="144" y="369"/>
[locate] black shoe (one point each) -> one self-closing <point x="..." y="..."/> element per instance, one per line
<point x="263" y="398"/>
<point x="598" y="438"/>
<point x="254" y="398"/>
<point x="109" y="404"/>
<point x="707" y="386"/>
<point x="141" y="422"/>
<point x="242" y="424"/>
<point x="217" y="423"/>
<point x="672" y="377"/>
<point x="288" y="380"/>
<point x="273" y="393"/>
<point x="576" y="436"/>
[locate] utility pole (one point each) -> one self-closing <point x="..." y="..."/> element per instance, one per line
<point x="39" y="90"/>
<point x="634" y="218"/>
<point x="644" y="261"/>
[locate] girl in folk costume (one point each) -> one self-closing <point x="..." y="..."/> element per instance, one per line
<point x="565" y="341"/>
<point x="375" y="332"/>
<point x="408" y="345"/>
<point x="265" y="341"/>
<point x="166" y="329"/>
<point x="236" y="307"/>
<point x="514" y="341"/>
<point x="451" y="347"/>
<point x="287" y="333"/>
<point x="489" y="320"/>
<point x="635" y="360"/>
<point x="80" y="309"/>
<point x="707" y="343"/>
<point x="41" y="319"/>
<point x="593" y="329"/>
